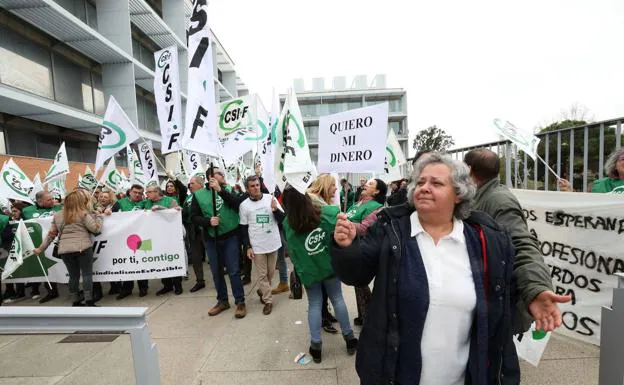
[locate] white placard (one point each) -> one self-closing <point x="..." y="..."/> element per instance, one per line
<point x="167" y="95"/>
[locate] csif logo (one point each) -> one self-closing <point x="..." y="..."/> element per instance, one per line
<point x="164" y="58"/>
<point x="232" y="115"/>
<point x="393" y="161"/>
<point x="617" y="190"/>
<point x="108" y="129"/>
<point x="13" y="178"/>
<point x="314" y="242"/>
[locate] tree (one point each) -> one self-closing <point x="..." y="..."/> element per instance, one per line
<point x="433" y="139"/>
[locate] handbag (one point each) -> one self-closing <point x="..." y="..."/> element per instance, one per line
<point x="296" y="289"/>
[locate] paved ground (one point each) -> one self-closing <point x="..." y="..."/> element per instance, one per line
<point x="199" y="350"/>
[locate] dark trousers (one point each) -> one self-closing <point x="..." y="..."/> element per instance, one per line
<point x="128" y="286"/>
<point x="198" y="251"/>
<point x="245" y="264"/>
<point x="80" y="264"/>
<point x="363" y="297"/>
<point x="172" y="282"/>
<point x="35" y="287"/>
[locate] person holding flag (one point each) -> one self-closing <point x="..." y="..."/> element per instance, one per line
<point x="132" y="202"/>
<point x="6" y="236"/>
<point x="44" y="207"/>
<point x="194" y="236"/>
<point x="222" y="245"/>
<point x="75" y="225"/>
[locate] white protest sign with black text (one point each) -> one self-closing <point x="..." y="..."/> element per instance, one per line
<point x="200" y="128"/>
<point x="580" y="237"/>
<point x="354" y="141"/>
<point x="168" y="102"/>
<point x="133" y="245"/>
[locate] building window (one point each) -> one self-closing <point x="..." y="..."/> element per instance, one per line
<point x="312" y="133"/>
<point x="395" y="105"/>
<point x="68" y="79"/>
<point x="314" y="154"/>
<point x="147" y="115"/>
<point x="24" y="64"/>
<point x="398" y="128"/>
<point x="99" y="101"/>
<point x="141" y="51"/>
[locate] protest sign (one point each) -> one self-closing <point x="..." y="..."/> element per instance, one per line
<point x="580" y="238"/>
<point x="354" y="141"/>
<point x="167" y="95"/>
<point x="133" y="245"/>
<point x="200" y="128"/>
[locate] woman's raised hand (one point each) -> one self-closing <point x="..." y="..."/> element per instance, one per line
<point x="344" y="234"/>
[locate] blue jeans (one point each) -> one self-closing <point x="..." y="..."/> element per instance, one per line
<point x="229" y="253"/>
<point x="315" y="301"/>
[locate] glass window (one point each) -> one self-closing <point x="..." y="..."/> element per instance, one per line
<point x="47" y="146"/>
<point x="314" y="154"/>
<point x="147" y="58"/>
<point x="87" y="91"/>
<point x="99" y="101"/>
<point x="74" y="151"/>
<point x="20" y="142"/>
<point x="141" y="112"/>
<point x="68" y="82"/>
<point x="151" y="117"/>
<point x="395" y="105"/>
<point x="120" y="159"/>
<point x="91" y="15"/>
<point x="335" y="107"/>
<point x="89" y="151"/>
<point x="312" y="133"/>
<point x="323" y="109"/>
<point x="136" y="49"/>
<point x="25" y="64"/>
<point x="75" y="7"/>
<point x="354" y="105"/>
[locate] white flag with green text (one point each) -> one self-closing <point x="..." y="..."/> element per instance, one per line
<point x="117" y="133"/>
<point x="14" y="184"/>
<point x="60" y="167"/>
<point x="21" y="248"/>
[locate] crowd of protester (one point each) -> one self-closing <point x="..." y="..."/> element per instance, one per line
<point x="456" y="272"/>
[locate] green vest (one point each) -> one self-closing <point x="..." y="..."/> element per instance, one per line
<point x="164" y="202"/>
<point x="175" y="198"/>
<point x="4" y="221"/>
<point x="228" y="216"/>
<point x="186" y="208"/>
<point x="608" y="185"/>
<point x="357" y="212"/>
<point x="31" y="212"/>
<point x="128" y="205"/>
<point x="309" y="252"/>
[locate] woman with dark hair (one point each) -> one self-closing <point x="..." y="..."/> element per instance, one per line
<point x="308" y="229"/>
<point x="176" y="190"/>
<point x="371" y="200"/>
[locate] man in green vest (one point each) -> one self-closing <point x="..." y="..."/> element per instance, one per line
<point x="44" y="207"/>
<point x="222" y="243"/>
<point x="156" y="200"/>
<point x="133" y="202"/>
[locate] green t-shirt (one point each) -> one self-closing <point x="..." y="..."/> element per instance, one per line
<point x="358" y="212"/>
<point x="164" y="202"/>
<point x="309" y="252"/>
<point x="608" y="185"/>
<point x="31" y="212"/>
<point x="127" y="205"/>
<point x="228" y="216"/>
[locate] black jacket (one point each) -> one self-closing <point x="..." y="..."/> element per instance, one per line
<point x="492" y="359"/>
<point x="397" y="197"/>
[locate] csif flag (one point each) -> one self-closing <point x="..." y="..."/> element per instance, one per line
<point x="292" y="155"/>
<point x="14" y="184"/>
<point x="37" y="186"/>
<point x="57" y="188"/>
<point x="167" y="95"/>
<point x="523" y="139"/>
<point x="394" y="159"/>
<point x="192" y="163"/>
<point x="60" y="167"/>
<point x="148" y="162"/>
<point x="88" y="180"/>
<point x="21" y="248"/>
<point x="111" y="178"/>
<point x="117" y="133"/>
<point x="200" y="128"/>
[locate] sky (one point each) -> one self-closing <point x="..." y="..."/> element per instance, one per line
<point x="463" y="63"/>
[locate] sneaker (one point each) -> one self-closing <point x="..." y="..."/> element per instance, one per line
<point x="241" y="311"/>
<point x="198" y="286"/>
<point x="36" y="296"/>
<point x="329" y="328"/>
<point x="259" y="292"/>
<point x="281" y="288"/>
<point x="163" y="291"/>
<point x="218" y="308"/>
<point x="352" y="344"/>
<point x="17" y="297"/>
<point x="49" y="297"/>
<point x="268" y="308"/>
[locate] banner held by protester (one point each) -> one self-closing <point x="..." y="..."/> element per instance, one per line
<point x="167" y="95"/>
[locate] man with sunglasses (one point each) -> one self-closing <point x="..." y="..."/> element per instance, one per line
<point x="220" y="228"/>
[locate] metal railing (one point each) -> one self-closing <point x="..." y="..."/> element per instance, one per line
<point x="31" y="319"/>
<point x="577" y="154"/>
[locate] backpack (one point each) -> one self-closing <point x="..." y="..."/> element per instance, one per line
<point x="296" y="289"/>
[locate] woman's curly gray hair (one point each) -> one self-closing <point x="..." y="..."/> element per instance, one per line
<point x="610" y="164"/>
<point x="465" y="188"/>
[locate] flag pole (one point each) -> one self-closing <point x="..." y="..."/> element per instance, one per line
<point x="214" y="212"/>
<point x="548" y="166"/>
